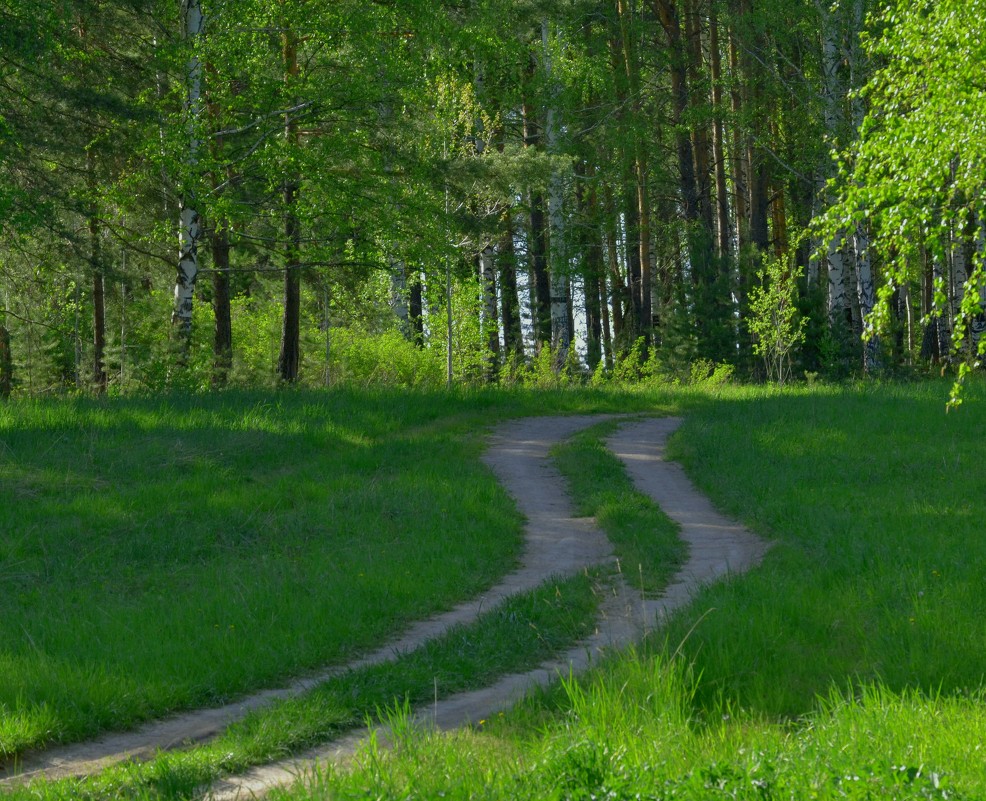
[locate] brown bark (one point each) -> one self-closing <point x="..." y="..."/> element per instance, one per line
<point x="290" y="357"/>
<point x="222" y="340"/>
<point x="741" y="166"/>
<point x="6" y="363"/>
<point x="415" y="309"/>
<point x="699" y="132"/>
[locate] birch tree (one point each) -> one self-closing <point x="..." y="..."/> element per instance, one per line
<point x="918" y="147"/>
<point x="189" y="219"/>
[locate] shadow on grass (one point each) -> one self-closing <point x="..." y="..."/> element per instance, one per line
<point x="171" y="552"/>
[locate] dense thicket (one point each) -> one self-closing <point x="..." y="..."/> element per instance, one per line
<point x="198" y="192"/>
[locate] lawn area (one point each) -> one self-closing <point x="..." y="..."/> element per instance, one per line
<point x="850" y="665"/>
<point x="161" y="554"/>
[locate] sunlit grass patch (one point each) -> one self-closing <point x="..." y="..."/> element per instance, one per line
<point x="646" y="541"/>
<point x="516" y="636"/>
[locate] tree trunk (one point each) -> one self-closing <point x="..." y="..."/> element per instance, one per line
<point x="697" y="215"/>
<point x="867" y="297"/>
<point x="99" y="378"/>
<point x="537" y="246"/>
<point x="491" y="319"/>
<point x="219" y="242"/>
<point x="399" y="298"/>
<point x="222" y="340"/>
<point x="561" y="333"/>
<point x="290" y="357"/>
<point x="640" y="266"/>
<point x="718" y="143"/>
<point x="415" y="303"/>
<point x="607" y="332"/>
<point x="833" y="94"/>
<point x="861" y="239"/>
<point x="6" y="363"/>
<point x="619" y="289"/>
<point x="696" y="98"/>
<point x="741" y="168"/>
<point x="592" y="263"/>
<point x="513" y="340"/>
<point x="627" y="116"/>
<point x="189" y="232"/>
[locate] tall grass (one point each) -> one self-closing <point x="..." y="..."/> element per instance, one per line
<point x="873" y="495"/>
<point x="517" y="635"/>
<point x="163" y="553"/>
<point x="850" y="665"/>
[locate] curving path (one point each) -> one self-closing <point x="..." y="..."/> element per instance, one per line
<point x="556" y="543"/>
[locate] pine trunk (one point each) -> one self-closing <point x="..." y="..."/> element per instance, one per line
<point x="290" y="357"/>
<point x="6" y="363"/>
<point x="222" y="340"/>
<point x="415" y="303"/>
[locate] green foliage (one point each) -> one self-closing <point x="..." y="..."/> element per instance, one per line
<point x="775" y="323"/>
<point x="848" y="666"/>
<point x="386" y="359"/>
<point x="915" y="175"/>
<point x="327" y="514"/>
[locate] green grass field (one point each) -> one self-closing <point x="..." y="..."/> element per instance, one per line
<point x="850" y="665"/>
<point x="162" y="554"/>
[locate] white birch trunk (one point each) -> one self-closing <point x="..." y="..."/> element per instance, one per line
<point x="960" y="272"/>
<point x="490" y="321"/>
<point x="561" y="335"/>
<point x="398" y="297"/>
<point x="865" y="289"/>
<point x="866" y="292"/>
<point x="189" y="228"/>
<point x="835" y="265"/>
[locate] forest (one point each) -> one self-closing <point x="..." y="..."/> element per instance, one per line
<point x="203" y="193"/>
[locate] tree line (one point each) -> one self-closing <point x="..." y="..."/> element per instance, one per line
<point x="200" y="192"/>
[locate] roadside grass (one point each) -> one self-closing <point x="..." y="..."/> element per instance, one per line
<point x="626" y="732"/>
<point x="646" y="541"/>
<point x="850" y="665"/>
<point x="874" y="496"/>
<point x="165" y="553"/>
<point x="516" y="636"/>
